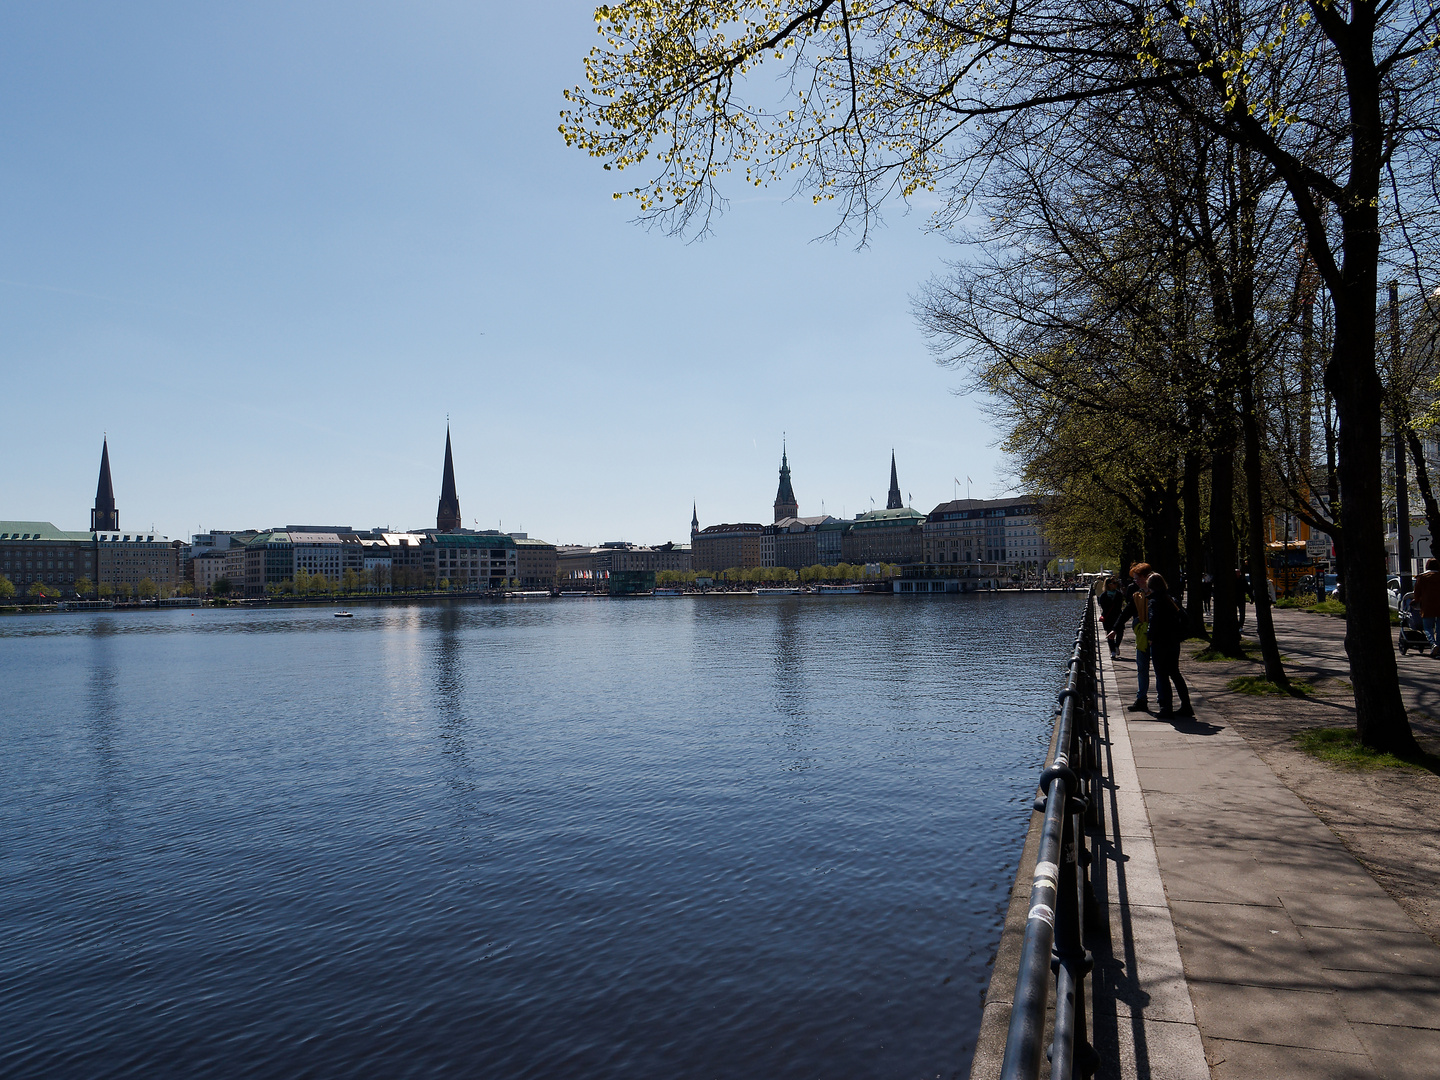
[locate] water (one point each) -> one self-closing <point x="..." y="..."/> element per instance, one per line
<point x="704" y="837"/>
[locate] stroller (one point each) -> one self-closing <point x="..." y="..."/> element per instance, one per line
<point x="1412" y="629"/>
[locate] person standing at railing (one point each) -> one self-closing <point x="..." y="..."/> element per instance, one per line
<point x="1167" y="627"/>
<point x="1112" y="604"/>
<point x="1135" y="610"/>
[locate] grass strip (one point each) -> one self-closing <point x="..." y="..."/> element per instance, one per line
<point x="1342" y="746"/>
<point x="1259" y="686"/>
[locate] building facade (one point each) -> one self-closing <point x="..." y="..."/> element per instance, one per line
<point x="795" y="542"/>
<point x="889" y="536"/>
<point x="474" y="561"/>
<point x="990" y="535"/>
<point x="725" y="547"/>
<point x="34" y="552"/>
<point x="535" y="563"/>
<point x="130" y="559"/>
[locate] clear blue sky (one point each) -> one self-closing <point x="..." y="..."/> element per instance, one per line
<point x="269" y="247"/>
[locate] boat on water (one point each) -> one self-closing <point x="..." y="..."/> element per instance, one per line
<point x="668" y="592"/>
<point x="343" y="615"/>
<point x="575" y="595"/>
<point x="778" y="590"/>
<point x="832" y="590"/>
<point x="528" y="594"/>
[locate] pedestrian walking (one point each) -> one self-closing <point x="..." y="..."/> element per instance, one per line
<point x="1135" y="610"/>
<point x="1427" y="598"/>
<point x="1240" y="589"/>
<point x="1112" y="605"/>
<point x="1167" y="627"/>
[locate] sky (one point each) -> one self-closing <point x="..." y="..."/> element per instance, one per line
<point x="268" y="249"/>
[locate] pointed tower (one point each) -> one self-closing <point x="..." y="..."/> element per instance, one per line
<point x="785" y="504"/>
<point x="894" y="502"/>
<point x="694" y="520"/>
<point x="104" y="517"/>
<point x="447" y="517"/>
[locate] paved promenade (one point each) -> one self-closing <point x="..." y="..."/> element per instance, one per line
<point x="1295" y="961"/>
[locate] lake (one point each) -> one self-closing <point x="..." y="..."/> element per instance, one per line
<point x="696" y="837"/>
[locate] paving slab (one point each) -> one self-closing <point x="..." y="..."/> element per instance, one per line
<point x="1296" y="962"/>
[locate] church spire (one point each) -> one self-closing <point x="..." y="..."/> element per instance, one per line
<point x="694" y="519"/>
<point x="104" y="516"/>
<point x="785" y="504"/>
<point x="894" y="502"/>
<point x="447" y="517"/>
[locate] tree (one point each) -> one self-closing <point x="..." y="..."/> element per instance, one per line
<point x="40" y="591"/>
<point x="146" y="589"/>
<point x="221" y="587"/>
<point x="106" y="590"/>
<point x="887" y="99"/>
<point x="7" y="588"/>
<point x="84" y="586"/>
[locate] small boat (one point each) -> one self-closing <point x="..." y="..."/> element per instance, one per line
<point x="665" y="591"/>
<point x="343" y="615"/>
<point x="778" y="590"/>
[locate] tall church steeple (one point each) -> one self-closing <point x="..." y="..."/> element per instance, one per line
<point x="447" y="517"/>
<point x="104" y="516"/>
<point x="694" y="520"/>
<point x="785" y="504"/>
<point x="894" y="502"/>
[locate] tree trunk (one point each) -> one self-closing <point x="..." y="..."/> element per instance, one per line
<point x="1194" y="544"/>
<point x="1255" y="534"/>
<point x="1224" y="618"/>
<point x="1380" y="717"/>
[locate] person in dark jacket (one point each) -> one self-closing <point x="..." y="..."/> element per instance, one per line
<point x="1166" y="629"/>
<point x="1112" y="604"/>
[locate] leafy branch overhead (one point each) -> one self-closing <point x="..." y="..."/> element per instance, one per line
<point x="855" y="101"/>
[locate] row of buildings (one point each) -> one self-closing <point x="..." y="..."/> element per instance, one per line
<point x="252" y="562"/>
<point x="964" y="538"/>
<point x="961" y="538"/>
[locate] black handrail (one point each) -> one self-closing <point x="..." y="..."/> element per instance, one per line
<point x="1054" y="929"/>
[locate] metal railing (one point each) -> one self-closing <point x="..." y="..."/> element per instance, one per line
<point x="1054" y="930"/>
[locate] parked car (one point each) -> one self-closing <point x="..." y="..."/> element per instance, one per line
<point x="1392" y="590"/>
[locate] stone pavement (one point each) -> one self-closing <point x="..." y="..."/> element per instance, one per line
<point x="1296" y="962"/>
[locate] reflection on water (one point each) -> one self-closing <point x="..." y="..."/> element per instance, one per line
<point x="723" y="837"/>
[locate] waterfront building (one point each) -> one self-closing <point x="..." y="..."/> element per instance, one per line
<point x="206" y="568"/>
<point x="535" y="562"/>
<point x="269" y="561"/>
<point x="723" y="547"/>
<point x="36" y="551"/>
<point x="990" y="535"/>
<point x="407" y="560"/>
<point x="577" y="563"/>
<point x="235" y="566"/>
<point x="885" y="536"/>
<point x="472" y="560"/>
<point x="447" y="515"/>
<point x="317" y="553"/>
<point x="104" y="517"/>
<point x="795" y="542"/>
<point x="785" y="504"/>
<point x="130" y="558"/>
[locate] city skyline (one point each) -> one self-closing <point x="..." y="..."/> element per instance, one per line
<point x="448" y="517"/>
<point x="269" y="264"/>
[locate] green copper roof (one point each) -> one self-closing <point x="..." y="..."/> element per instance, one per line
<point x="38" y="530"/>
<point x="875" y="519"/>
